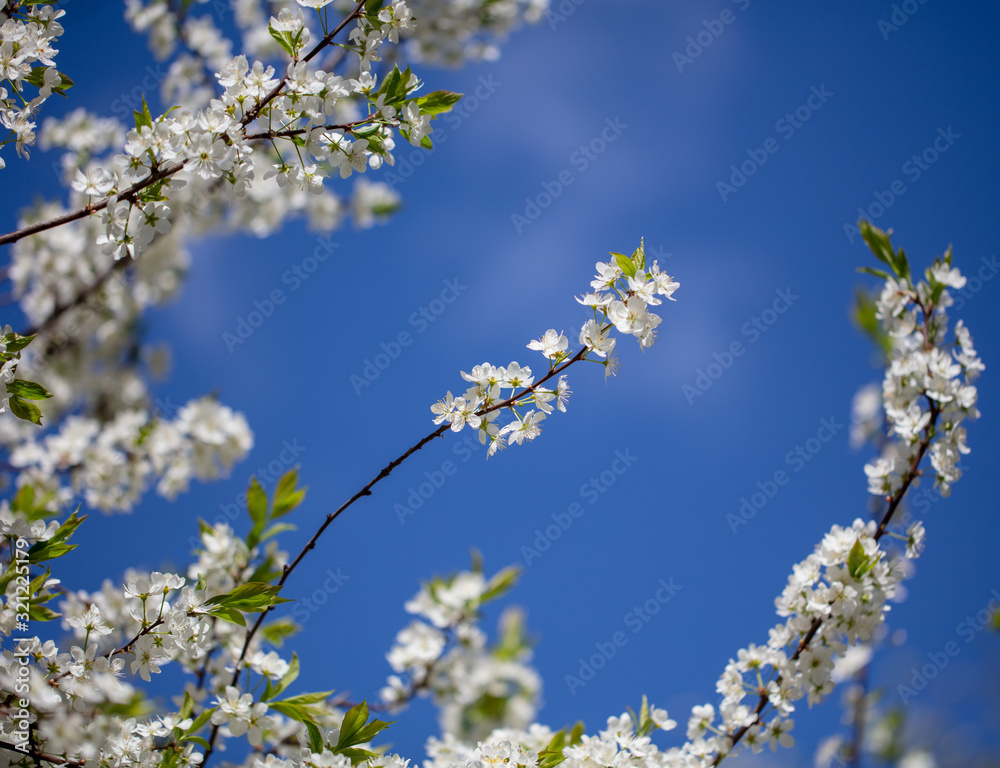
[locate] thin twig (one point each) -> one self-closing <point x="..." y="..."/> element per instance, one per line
<point x="366" y="491"/>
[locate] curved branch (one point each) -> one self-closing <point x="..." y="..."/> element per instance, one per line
<point x="87" y="210"/>
<point x="894" y="501"/>
<point x="366" y="491"/>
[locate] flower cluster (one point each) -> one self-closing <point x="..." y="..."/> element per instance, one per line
<point x="624" y="743"/>
<point x="834" y="599"/>
<point x="446" y="655"/>
<point x="27" y="59"/>
<point x="927" y="392"/>
<point x="624" y="290"/>
<point x="131" y="631"/>
<point x="455" y="33"/>
<point x="111" y="464"/>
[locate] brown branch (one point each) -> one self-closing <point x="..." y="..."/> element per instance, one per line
<point x="87" y="210"/>
<point x="38" y="756"/>
<point x="912" y="473"/>
<point x="78" y="300"/>
<point x="254" y="113"/>
<point x="366" y="491"/>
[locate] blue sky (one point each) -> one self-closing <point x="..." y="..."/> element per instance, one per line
<point x="827" y="110"/>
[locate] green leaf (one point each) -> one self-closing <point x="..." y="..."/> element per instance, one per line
<point x="201" y="742"/>
<point x="552" y="755"/>
<point x="355" y="730"/>
<point x="358" y="756"/>
<point x="373" y="6"/>
<point x="265" y="572"/>
<point x="391" y="86"/>
<point x="315" y="738"/>
<point x="878" y="242"/>
<point x="639" y="257"/>
<point x="143" y="118"/>
<point x="625" y="263"/>
<point x="57" y="545"/>
<point x="25" y="410"/>
<point x="200" y="721"/>
<point x="68" y="527"/>
<point x="644" y="712"/>
<point x="187" y="707"/>
<point x="256" y="501"/>
<point x="858" y="563"/>
<point x="370" y="731"/>
<point x="501" y="583"/>
<point x="41" y="613"/>
<point x="438" y="102"/>
<point x="298" y="707"/>
<point x="864" y="316"/>
<point x="288" y="678"/>
<point x="274" y="530"/>
<point x="284" y="39"/>
<point x="353" y="721"/>
<point x="287" y="496"/>
<point x="25" y="500"/>
<point x="228" y="614"/>
<point x="253" y="597"/>
<point x="15" y="342"/>
<point x="277" y="631"/>
<point x="857" y="559"/>
<point x="37" y="79"/>
<point x="145" y="431"/>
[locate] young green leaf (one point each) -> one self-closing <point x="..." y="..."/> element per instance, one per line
<point x="438" y="102"/>
<point x="25" y="410"/>
<point x="15" y="342"/>
<point x="143" y="118"/>
<point x="256" y="501"/>
<point x="288" y="678"/>
<point x="625" y="263"/>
